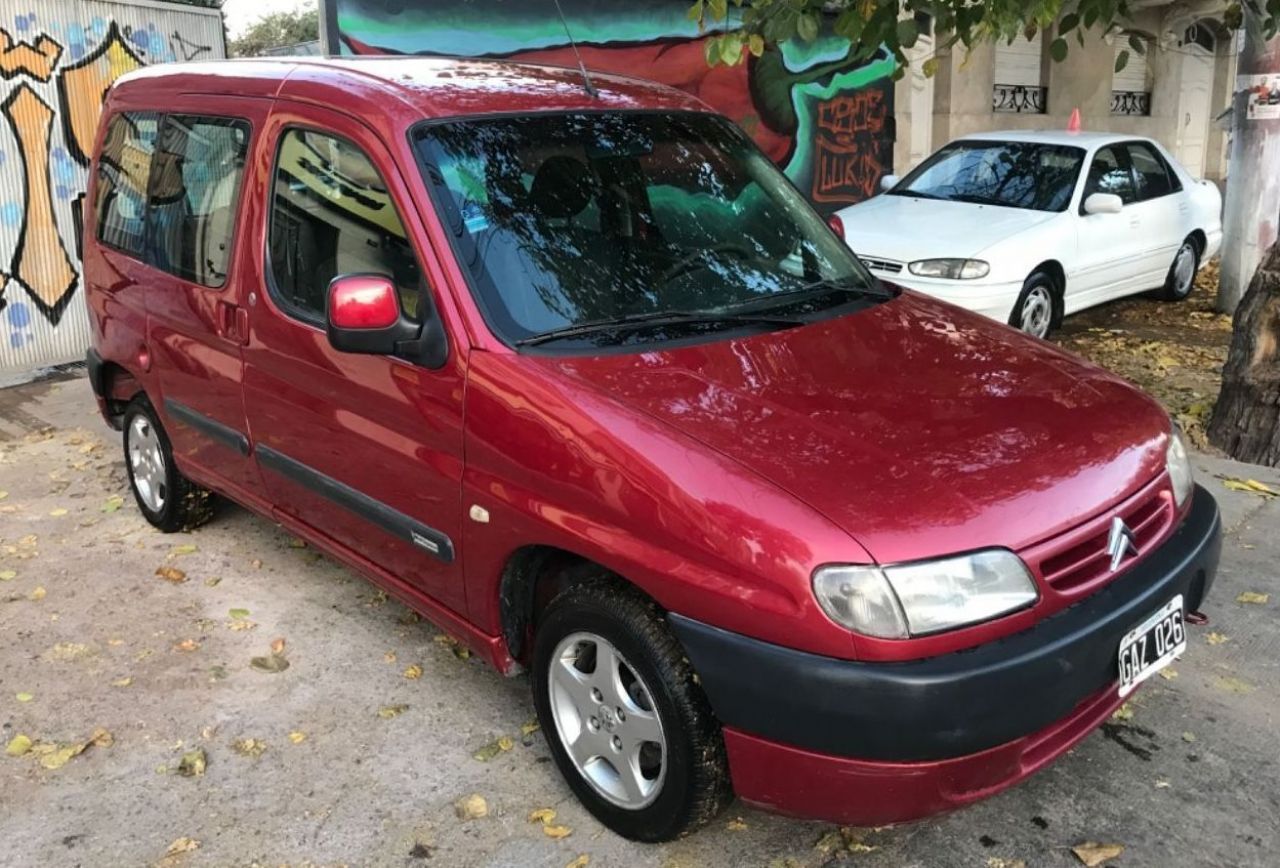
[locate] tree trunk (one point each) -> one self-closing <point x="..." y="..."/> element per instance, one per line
<point x="1246" y="420"/>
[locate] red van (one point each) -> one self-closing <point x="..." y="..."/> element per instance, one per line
<point x="580" y="376"/>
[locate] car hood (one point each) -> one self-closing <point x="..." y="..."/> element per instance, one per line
<point x="918" y="428"/>
<point x="904" y="228"/>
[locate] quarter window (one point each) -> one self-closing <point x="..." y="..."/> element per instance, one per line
<point x="1153" y="174"/>
<point x="123" y="168"/>
<point x="195" y="182"/>
<point x="1109" y="173"/>
<point x="332" y="214"/>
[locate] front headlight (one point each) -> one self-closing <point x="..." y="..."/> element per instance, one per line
<point x="915" y="599"/>
<point x="950" y="269"/>
<point x="1178" y="463"/>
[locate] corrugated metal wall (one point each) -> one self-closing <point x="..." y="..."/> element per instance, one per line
<point x="57" y="59"/>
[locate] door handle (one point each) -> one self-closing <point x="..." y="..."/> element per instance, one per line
<point x="233" y="322"/>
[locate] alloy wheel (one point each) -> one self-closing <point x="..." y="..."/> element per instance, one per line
<point x="1037" y="312"/>
<point x="606" y="720"/>
<point x="1184" y="270"/>
<point x="146" y="461"/>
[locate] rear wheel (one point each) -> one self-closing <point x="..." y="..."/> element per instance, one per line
<point x="167" y="499"/>
<point x="1182" y="273"/>
<point x="629" y="728"/>
<point x="1034" y="311"/>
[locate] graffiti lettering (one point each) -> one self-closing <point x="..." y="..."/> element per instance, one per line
<point x="82" y="88"/>
<point x="43" y="265"/>
<point x="190" y="50"/>
<point x="849" y="152"/>
<point x="36" y="60"/>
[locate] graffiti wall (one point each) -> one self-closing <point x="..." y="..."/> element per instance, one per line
<point x="827" y="120"/>
<point x="57" y="60"/>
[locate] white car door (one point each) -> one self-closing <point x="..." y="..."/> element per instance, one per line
<point x="1108" y="262"/>
<point x="1163" y="209"/>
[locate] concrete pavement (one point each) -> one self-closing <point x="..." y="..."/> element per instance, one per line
<point x="342" y="759"/>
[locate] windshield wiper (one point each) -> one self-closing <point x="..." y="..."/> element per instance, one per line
<point x="666" y="317"/>
<point x="825" y="286"/>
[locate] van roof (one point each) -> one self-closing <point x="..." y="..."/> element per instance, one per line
<point x="416" y="87"/>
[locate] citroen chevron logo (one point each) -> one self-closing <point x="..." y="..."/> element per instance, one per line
<point x="1120" y="542"/>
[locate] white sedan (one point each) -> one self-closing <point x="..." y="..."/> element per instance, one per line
<point x="1027" y="227"/>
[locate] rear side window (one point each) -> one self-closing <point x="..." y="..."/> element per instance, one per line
<point x="1155" y="178"/>
<point x="195" y="184"/>
<point x="332" y="214"/>
<point x="123" y="169"/>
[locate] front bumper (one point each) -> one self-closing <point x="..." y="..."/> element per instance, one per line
<point x="994" y="300"/>
<point x="947" y="729"/>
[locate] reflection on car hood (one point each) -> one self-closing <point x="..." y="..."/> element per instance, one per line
<point x="917" y="427"/>
<point x="905" y="228"/>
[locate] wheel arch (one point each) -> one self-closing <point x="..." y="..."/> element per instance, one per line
<point x="1054" y="269"/>
<point x="531" y="577"/>
<point x="119" y="387"/>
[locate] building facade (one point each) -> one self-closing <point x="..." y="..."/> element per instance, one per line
<point x="1173" y="93"/>
<point x="57" y="60"/>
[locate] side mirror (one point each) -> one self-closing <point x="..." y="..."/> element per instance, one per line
<point x="888" y="182"/>
<point x="364" y="317"/>
<point x="1103" y="203"/>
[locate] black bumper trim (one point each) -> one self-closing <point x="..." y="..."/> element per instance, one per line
<point x="211" y="428"/>
<point x="375" y="512"/>
<point x="93" y="364"/>
<point x="955" y="704"/>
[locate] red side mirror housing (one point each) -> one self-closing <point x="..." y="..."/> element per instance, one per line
<point x="362" y="302"/>
<point x="364" y="317"/>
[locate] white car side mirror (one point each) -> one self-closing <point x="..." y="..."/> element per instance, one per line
<point x="888" y="182"/>
<point x="1103" y="203"/>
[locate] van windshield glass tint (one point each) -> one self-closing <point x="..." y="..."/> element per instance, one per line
<point x="576" y="219"/>
<point x="1011" y="174"/>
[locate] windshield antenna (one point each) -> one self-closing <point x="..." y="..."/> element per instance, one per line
<point x="586" y="79"/>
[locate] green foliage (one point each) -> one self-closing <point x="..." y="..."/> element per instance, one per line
<point x="280" y="29"/>
<point x="747" y="26"/>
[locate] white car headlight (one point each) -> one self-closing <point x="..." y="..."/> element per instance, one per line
<point x="1178" y="463"/>
<point x="915" y="599"/>
<point x="950" y="269"/>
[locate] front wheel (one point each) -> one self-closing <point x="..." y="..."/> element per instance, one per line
<point x="1033" y="312"/>
<point x="629" y="728"/>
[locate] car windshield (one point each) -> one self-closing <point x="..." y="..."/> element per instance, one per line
<point x="1028" y="175"/>
<point x="570" y="222"/>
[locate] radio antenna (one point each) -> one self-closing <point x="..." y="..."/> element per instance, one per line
<point x="586" y="79"/>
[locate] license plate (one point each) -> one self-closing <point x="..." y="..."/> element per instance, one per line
<point x="1152" y="645"/>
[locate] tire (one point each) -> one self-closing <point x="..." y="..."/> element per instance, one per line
<point x="1036" y="310"/>
<point x="167" y="499"/>
<point x="1182" y="273"/>
<point x="683" y="779"/>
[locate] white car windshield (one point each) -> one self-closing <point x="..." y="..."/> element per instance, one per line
<point x="1029" y="175"/>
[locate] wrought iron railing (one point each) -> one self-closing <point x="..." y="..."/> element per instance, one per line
<point x="1130" y="102"/>
<point x="1019" y="98"/>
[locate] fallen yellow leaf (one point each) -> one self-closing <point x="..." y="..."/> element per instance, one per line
<point x="542" y="815"/>
<point x="1215" y="638"/>
<point x="297" y="737"/>
<point x="250" y="747"/>
<point x="1250" y="486"/>
<point x="277" y="646"/>
<point x="557" y="832"/>
<point x="37" y="595"/>
<point x="23" y="697"/>
<point x="1168" y="673"/>
<point x="1188" y="737"/>
<point x="1093" y="854"/>
<point x="18" y="745"/>
<point x="193" y="763"/>
<point x="182" y="845"/>
<point x="184" y="549"/>
<point x="582" y="860"/>
<point x="737" y="824"/>
<point x="171" y="574"/>
<point x="187" y="645"/>
<point x="1253" y="597"/>
<point x="389" y="711"/>
<point x="1231" y="684"/>
<point x="1124" y="712"/>
<point x="471" y="807"/>
<point x="8" y="575"/>
<point x="413" y="672"/>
